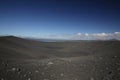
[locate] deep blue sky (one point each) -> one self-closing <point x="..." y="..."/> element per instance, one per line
<point x="55" y="17"/>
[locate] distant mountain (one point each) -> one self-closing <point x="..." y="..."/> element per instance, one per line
<point x="15" y="47"/>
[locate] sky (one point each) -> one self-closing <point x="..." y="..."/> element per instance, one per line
<point x="67" y="19"/>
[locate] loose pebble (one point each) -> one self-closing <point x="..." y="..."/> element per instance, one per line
<point x="91" y="78"/>
<point x="29" y="78"/>
<point x="69" y="60"/>
<point x="36" y="71"/>
<point x="25" y="75"/>
<point x="51" y="75"/>
<point x="50" y="63"/>
<point x="107" y="68"/>
<point x="61" y="74"/>
<point x="13" y="69"/>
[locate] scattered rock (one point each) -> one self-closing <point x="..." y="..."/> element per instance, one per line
<point x="36" y="71"/>
<point x="51" y="75"/>
<point x="107" y="68"/>
<point x="61" y="74"/>
<point x="18" y="72"/>
<point x="50" y="63"/>
<point x="91" y="78"/>
<point x="69" y="60"/>
<point x="25" y="75"/>
<point x="29" y="78"/>
<point x="13" y="69"/>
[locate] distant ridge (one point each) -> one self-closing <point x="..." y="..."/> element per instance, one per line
<point x="12" y="46"/>
<point x="9" y="36"/>
<point x="51" y="40"/>
<point x="15" y="47"/>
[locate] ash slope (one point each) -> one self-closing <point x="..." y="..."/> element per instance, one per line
<point x="24" y="59"/>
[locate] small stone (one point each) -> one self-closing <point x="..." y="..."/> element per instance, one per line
<point x="13" y="69"/>
<point x="107" y="68"/>
<point x="61" y="74"/>
<point x="29" y="78"/>
<point x="51" y="75"/>
<point x="36" y="71"/>
<point x="25" y="75"/>
<point x="91" y="78"/>
<point x="50" y="63"/>
<point x="18" y="72"/>
<point x="69" y="60"/>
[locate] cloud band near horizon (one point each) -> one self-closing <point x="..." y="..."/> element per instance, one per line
<point x="86" y="36"/>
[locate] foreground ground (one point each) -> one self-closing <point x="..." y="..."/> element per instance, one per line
<point x="22" y="59"/>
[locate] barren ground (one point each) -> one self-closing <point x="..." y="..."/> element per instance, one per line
<point x="22" y="59"/>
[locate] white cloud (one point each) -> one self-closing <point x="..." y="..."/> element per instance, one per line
<point x="87" y="36"/>
<point x="79" y="34"/>
<point x="117" y="33"/>
<point x="100" y="34"/>
<point x="96" y="36"/>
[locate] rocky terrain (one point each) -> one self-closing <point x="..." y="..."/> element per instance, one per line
<point x="24" y="59"/>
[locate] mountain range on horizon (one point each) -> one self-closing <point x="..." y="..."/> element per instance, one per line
<point x="55" y="40"/>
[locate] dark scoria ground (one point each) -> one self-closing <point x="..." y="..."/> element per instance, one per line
<point x="22" y="59"/>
